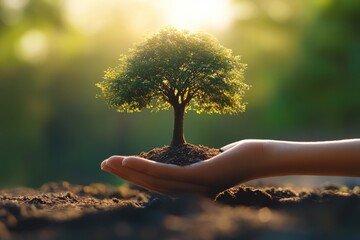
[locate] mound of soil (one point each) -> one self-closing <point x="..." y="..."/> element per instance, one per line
<point x="181" y="155"/>
<point x="68" y="211"/>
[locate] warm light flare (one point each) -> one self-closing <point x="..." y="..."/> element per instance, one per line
<point x="90" y="15"/>
<point x="198" y="14"/>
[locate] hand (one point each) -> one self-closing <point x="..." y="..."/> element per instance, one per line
<point x="240" y="162"/>
<point x="236" y="164"/>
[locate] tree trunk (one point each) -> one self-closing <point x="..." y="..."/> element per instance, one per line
<point x="178" y="132"/>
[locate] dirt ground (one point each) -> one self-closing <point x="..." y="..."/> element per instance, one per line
<point x="67" y="211"/>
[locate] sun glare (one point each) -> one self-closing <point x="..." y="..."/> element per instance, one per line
<point x="90" y="15"/>
<point x="197" y="14"/>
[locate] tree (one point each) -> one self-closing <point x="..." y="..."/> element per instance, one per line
<point x="178" y="69"/>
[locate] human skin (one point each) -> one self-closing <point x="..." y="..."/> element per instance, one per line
<point x="240" y="162"/>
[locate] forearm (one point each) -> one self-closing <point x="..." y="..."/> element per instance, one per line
<point x="332" y="158"/>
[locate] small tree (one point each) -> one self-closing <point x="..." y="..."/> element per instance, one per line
<point x="178" y="69"/>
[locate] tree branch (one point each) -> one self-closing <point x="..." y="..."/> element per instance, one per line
<point x="191" y="95"/>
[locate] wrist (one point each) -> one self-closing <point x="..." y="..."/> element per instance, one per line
<point x="256" y="154"/>
<point x="281" y="158"/>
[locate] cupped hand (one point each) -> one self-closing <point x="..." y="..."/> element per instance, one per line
<point x="157" y="177"/>
<point x="235" y="165"/>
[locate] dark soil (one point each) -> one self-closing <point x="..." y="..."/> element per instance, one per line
<point x="181" y="155"/>
<point x="67" y="211"/>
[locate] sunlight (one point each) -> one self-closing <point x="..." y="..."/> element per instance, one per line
<point x="191" y="14"/>
<point x="32" y="46"/>
<point x="88" y="16"/>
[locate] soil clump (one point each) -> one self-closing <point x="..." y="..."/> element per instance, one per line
<point x="181" y="155"/>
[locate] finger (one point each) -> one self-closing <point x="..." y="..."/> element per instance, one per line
<point x="193" y="173"/>
<point x="166" y="172"/>
<point x="160" y="170"/>
<point x="115" y="170"/>
<point x="125" y="176"/>
<point x="156" y="184"/>
<point x="149" y="167"/>
<point x="115" y="165"/>
<point x="114" y="158"/>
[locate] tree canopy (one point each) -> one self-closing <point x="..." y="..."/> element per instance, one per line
<point x="178" y="68"/>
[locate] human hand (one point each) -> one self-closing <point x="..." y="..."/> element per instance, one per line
<point x="235" y="165"/>
<point x="240" y="162"/>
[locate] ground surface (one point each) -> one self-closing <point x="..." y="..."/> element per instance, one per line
<point x="67" y="211"/>
<point x="97" y="211"/>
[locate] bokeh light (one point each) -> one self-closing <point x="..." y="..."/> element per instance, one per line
<point x="32" y="46"/>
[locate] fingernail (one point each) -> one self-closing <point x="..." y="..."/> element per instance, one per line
<point x="103" y="164"/>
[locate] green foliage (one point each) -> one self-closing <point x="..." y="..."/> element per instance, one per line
<point x="177" y="68"/>
<point x="322" y="88"/>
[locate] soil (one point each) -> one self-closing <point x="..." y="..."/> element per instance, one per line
<point x="181" y="155"/>
<point x="97" y="211"/>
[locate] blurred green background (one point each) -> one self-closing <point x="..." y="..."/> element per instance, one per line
<point x="304" y="68"/>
